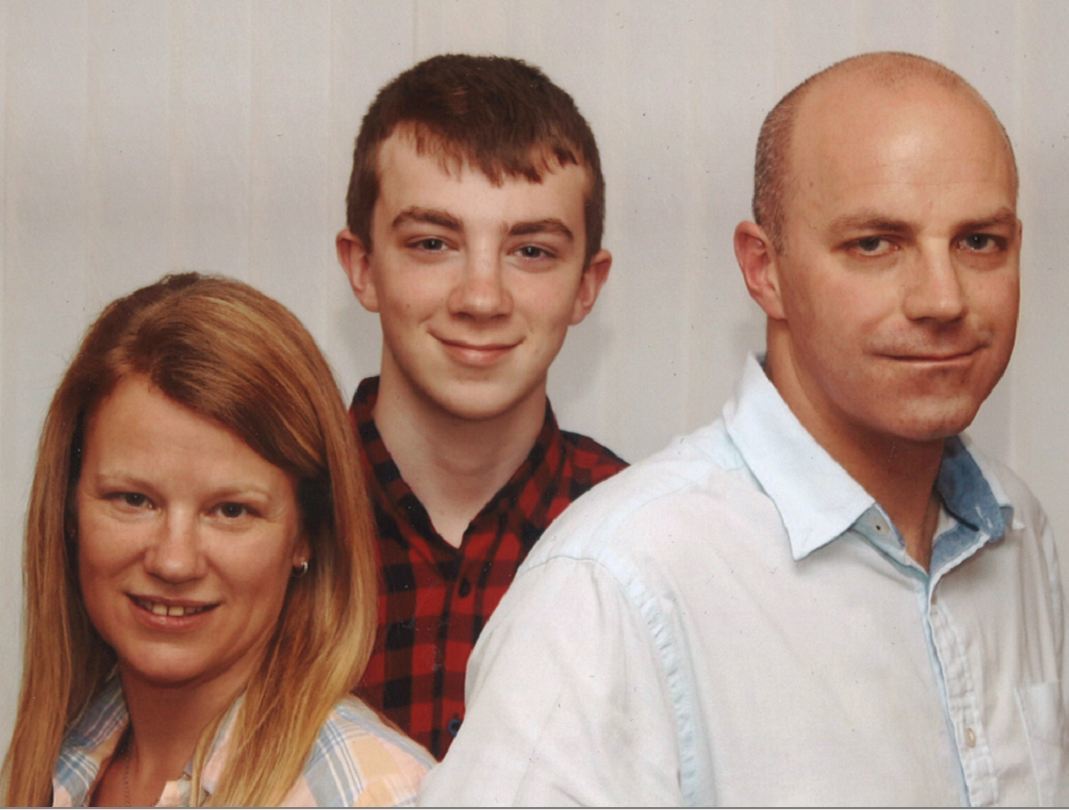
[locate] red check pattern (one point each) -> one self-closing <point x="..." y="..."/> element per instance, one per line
<point x="434" y="599"/>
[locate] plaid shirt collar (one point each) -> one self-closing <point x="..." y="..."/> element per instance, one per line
<point x="525" y="489"/>
<point x="94" y="737"/>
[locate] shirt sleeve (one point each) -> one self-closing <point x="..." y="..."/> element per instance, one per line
<point x="1057" y="591"/>
<point x="567" y="699"/>
<point x="1041" y="533"/>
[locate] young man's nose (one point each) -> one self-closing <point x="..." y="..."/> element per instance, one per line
<point x="481" y="291"/>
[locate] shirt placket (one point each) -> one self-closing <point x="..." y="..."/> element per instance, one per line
<point x="962" y="702"/>
<point x="963" y="705"/>
<point x="460" y="604"/>
<point x="458" y="601"/>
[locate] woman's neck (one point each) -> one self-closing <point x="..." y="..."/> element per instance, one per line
<point x="166" y="723"/>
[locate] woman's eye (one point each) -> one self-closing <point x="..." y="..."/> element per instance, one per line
<point x="233" y="510"/>
<point x="134" y="500"/>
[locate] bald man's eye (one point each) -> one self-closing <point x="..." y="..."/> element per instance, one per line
<point x="982" y="243"/>
<point x="871" y="246"/>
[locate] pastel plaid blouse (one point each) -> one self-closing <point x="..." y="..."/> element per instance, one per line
<point x="434" y="598"/>
<point x="356" y="760"/>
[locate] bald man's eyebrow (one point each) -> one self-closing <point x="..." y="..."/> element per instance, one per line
<point x="870" y="221"/>
<point x="1004" y="217"/>
<point x="554" y="226"/>
<point x="427" y="216"/>
<point x="875" y="222"/>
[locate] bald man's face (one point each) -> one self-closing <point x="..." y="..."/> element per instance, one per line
<point x="899" y="276"/>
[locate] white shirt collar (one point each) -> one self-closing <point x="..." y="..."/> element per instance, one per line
<point x="817" y="499"/>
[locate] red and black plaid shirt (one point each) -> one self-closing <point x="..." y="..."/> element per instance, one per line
<point x="434" y="599"/>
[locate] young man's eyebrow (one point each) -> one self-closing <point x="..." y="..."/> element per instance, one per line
<point x="542" y="226"/>
<point x="428" y="216"/>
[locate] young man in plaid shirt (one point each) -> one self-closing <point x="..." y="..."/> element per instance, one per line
<point x="475" y="213"/>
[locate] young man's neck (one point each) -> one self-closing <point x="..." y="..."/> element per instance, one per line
<point x="454" y="465"/>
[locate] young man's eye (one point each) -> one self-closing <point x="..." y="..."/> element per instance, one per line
<point x="533" y="252"/>
<point x="431" y="244"/>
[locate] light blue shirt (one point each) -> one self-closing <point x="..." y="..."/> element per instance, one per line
<point x="735" y="621"/>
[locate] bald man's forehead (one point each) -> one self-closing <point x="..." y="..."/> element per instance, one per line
<point x="863" y="92"/>
<point x="849" y="128"/>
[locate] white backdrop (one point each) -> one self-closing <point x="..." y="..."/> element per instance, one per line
<point x="143" y="137"/>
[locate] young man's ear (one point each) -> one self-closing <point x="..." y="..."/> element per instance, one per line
<point x="354" y="258"/>
<point x="595" y="274"/>
<point x="760" y="267"/>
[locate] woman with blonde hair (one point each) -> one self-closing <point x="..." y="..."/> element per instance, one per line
<point x="199" y="570"/>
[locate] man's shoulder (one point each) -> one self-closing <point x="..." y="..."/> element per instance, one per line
<point x="697" y="477"/>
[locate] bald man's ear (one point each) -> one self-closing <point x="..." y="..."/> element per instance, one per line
<point x="760" y="267"/>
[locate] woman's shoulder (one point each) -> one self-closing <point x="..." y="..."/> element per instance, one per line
<point x="359" y="759"/>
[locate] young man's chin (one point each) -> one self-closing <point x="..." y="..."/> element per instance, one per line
<point x="485" y="401"/>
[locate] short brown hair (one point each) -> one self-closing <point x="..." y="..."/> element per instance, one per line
<point x="771" y="169"/>
<point x="497" y="114"/>
<point x="233" y="355"/>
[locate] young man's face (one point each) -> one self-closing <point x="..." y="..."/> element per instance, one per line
<point x="475" y="284"/>
<point x="899" y="278"/>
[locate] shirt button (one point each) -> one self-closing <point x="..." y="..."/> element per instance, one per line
<point x="970" y="738"/>
<point x="465" y="587"/>
<point x="454" y="725"/>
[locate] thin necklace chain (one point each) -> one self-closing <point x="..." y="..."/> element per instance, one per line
<point x="127" y="756"/>
<point x="126" y="783"/>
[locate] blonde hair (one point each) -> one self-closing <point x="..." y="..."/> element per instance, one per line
<point x="231" y="354"/>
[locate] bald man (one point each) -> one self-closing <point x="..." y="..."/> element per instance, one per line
<point x="828" y="596"/>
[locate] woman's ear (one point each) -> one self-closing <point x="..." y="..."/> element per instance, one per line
<point x="302" y="555"/>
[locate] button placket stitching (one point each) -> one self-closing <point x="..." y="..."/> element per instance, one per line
<point x="970" y="738"/>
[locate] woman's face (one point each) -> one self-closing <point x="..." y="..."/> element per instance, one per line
<point x="186" y="541"/>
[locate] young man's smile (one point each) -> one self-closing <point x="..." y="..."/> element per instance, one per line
<point x="476" y="282"/>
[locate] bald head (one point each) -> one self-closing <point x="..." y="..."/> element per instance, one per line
<point x="825" y="94"/>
